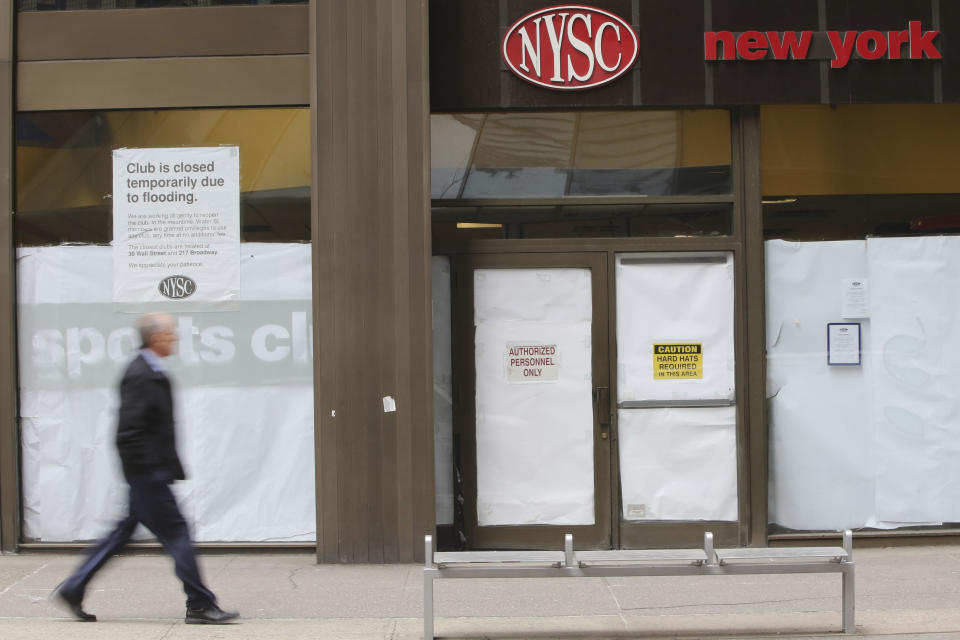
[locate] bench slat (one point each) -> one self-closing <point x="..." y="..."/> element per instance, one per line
<point x="641" y="555"/>
<point x="782" y="553"/>
<point x="485" y="557"/>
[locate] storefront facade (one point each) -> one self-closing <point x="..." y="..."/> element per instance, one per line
<point x="509" y="270"/>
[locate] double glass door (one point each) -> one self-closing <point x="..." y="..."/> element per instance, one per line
<point x="594" y="395"/>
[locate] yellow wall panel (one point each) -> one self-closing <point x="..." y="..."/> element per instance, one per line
<point x="860" y="149"/>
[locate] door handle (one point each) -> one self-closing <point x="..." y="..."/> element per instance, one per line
<point x="601" y="409"/>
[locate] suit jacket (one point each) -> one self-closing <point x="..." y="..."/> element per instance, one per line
<point x="145" y="432"/>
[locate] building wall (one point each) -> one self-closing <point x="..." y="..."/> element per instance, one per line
<point x="361" y="67"/>
<point x="671" y="70"/>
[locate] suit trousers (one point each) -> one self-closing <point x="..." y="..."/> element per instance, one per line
<point x="153" y="504"/>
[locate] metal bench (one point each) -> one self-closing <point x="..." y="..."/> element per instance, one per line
<point x="647" y="562"/>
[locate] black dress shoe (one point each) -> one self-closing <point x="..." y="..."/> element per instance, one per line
<point x="75" y="605"/>
<point x="211" y="614"/>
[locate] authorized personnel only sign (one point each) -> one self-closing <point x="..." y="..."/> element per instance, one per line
<point x="532" y="362"/>
<point x="678" y="361"/>
<point x="176" y="226"/>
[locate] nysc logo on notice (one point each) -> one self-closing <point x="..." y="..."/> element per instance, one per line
<point x="177" y="287"/>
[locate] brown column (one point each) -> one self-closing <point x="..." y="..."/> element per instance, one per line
<point x="371" y="293"/>
<point x="9" y="472"/>
<point x="751" y="231"/>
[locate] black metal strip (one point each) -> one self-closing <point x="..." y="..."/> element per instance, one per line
<point x="937" y="69"/>
<point x="708" y="70"/>
<point x="824" y="64"/>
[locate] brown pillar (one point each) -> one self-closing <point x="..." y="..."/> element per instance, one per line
<point x="371" y="293"/>
<point x="751" y="234"/>
<point x="9" y="441"/>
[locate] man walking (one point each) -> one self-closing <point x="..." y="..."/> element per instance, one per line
<point x="147" y="446"/>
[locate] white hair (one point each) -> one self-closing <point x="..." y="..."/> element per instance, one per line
<point x="153" y="323"/>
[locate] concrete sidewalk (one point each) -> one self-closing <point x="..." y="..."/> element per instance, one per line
<point x="901" y="592"/>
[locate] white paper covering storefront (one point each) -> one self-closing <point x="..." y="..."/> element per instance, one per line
<point x="534" y="439"/>
<point x="822" y="460"/>
<point x="915" y="306"/>
<point x="244" y="399"/>
<point x="874" y="445"/>
<point x="671" y="301"/>
<point x="442" y="391"/>
<point x="679" y="464"/>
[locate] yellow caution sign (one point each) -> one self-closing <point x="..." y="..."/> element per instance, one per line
<point x="678" y="361"/>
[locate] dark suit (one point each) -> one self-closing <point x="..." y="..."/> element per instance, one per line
<point x="146" y="442"/>
<point x="145" y="434"/>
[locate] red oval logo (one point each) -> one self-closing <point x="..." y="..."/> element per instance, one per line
<point x="570" y="47"/>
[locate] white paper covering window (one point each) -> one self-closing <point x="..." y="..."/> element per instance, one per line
<point x="668" y="301"/>
<point x="534" y="439"/>
<point x="679" y="464"/>
<point x="442" y="391"/>
<point x="874" y="445"/>
<point x="915" y="308"/>
<point x="244" y="399"/>
<point x="821" y="438"/>
<point x="676" y="463"/>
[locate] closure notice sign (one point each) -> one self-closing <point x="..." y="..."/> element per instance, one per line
<point x="677" y="360"/>
<point x="176" y="226"/>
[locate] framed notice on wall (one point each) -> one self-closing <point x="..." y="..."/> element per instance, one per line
<point x="843" y="343"/>
<point x="176" y="227"/>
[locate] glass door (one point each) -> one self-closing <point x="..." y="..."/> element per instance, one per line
<point x="535" y="414"/>
<point x="676" y="414"/>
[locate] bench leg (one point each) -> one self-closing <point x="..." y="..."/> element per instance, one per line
<point x="849" y="626"/>
<point x="428" y="605"/>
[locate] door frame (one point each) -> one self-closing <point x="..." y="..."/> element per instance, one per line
<point x="746" y="243"/>
<point x="596" y="536"/>
<point x="633" y="534"/>
<point x="663" y="534"/>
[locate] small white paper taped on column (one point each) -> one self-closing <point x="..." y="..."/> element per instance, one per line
<point x="389" y="404"/>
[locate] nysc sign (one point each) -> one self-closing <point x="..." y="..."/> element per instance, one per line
<point x="570" y="47"/>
